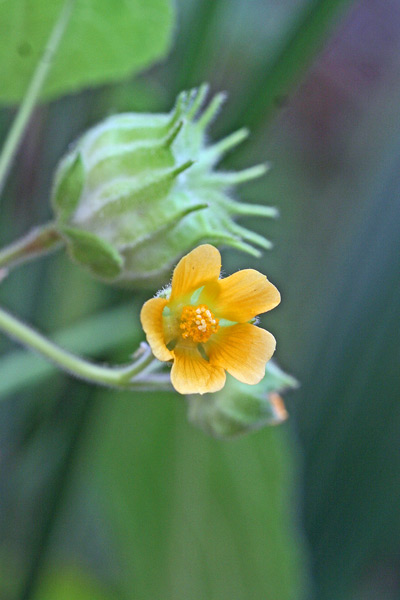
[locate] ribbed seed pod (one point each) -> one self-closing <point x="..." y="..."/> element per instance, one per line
<point x="138" y="191"/>
<point x="238" y="408"/>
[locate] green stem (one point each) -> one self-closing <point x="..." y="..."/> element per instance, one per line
<point x="126" y="377"/>
<point x="37" y="242"/>
<point x="144" y="358"/>
<point x="32" y="94"/>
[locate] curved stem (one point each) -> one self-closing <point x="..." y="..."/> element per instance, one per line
<point x="37" y="242"/>
<point x="28" y="104"/>
<point x="126" y="377"/>
<point x="144" y="358"/>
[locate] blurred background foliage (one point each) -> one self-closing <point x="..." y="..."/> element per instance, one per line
<point x="113" y="496"/>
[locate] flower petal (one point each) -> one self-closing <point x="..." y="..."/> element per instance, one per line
<point x="242" y="296"/>
<point x="243" y="350"/>
<point x="152" y="323"/>
<point x="200" y="266"/>
<point x="191" y="374"/>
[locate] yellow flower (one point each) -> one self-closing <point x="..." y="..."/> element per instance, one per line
<point x="204" y="326"/>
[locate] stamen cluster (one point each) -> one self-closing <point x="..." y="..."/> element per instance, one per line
<point x="198" y="323"/>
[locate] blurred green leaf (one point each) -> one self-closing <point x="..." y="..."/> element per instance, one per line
<point x="104" y="41"/>
<point x="195" y="517"/>
<point x="70" y="583"/>
<point x="348" y="410"/>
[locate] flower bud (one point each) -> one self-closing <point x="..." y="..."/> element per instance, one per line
<point x="138" y="191"/>
<point x="239" y="408"/>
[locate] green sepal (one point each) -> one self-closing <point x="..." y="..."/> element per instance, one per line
<point x="276" y="380"/>
<point x="93" y="252"/>
<point x="68" y="187"/>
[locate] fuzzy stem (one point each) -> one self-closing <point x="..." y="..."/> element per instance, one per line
<point x="32" y="94"/>
<point x="125" y="377"/>
<point x="37" y="242"/>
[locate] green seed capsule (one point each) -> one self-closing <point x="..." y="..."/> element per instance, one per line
<point x="138" y="191"/>
<point x="239" y="408"/>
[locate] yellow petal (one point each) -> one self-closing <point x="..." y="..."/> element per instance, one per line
<point x="191" y="374"/>
<point x="242" y="296"/>
<point x="243" y="350"/>
<point x="152" y="323"/>
<point x="200" y="266"/>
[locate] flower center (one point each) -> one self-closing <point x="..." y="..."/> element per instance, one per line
<point x="198" y="323"/>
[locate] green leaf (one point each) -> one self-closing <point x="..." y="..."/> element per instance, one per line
<point x="68" y="187"/>
<point x="193" y="517"/>
<point x="105" y="41"/>
<point x="66" y="582"/>
<point x="91" y="251"/>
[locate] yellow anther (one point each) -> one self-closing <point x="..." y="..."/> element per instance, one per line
<point x="198" y="323"/>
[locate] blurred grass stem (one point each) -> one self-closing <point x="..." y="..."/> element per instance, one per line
<point x="194" y="44"/>
<point x="131" y="376"/>
<point x="76" y="430"/>
<point x="32" y="94"/>
<point x="274" y="81"/>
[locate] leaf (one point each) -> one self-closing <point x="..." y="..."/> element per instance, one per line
<point x="105" y="41"/>
<point x="193" y="517"/>
<point x="66" y="582"/>
<point x="68" y="187"/>
<point x="92" y="252"/>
